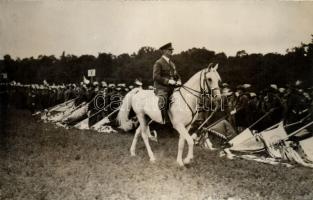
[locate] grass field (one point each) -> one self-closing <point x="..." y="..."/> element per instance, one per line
<point x="42" y="161"/>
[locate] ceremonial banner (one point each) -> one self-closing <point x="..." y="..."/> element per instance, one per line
<point x="271" y="137"/>
<point x="307" y="148"/>
<point x="77" y="114"/>
<point x="86" y="81"/>
<point x="246" y="141"/>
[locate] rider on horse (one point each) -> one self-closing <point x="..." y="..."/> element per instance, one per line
<point x="165" y="79"/>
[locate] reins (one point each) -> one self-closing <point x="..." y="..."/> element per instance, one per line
<point x="201" y="94"/>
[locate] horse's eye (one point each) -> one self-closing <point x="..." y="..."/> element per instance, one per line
<point x="209" y="79"/>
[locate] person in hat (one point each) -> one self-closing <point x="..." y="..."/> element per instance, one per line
<point x="81" y="96"/>
<point x="165" y="78"/>
<point x="138" y="83"/>
<point x="242" y="119"/>
<point x="96" y="107"/>
<point x="104" y="84"/>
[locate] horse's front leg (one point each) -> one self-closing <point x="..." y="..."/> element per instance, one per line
<point x="181" y="144"/>
<point x="134" y="143"/>
<point x="144" y="135"/>
<point x="145" y="138"/>
<point x="184" y="134"/>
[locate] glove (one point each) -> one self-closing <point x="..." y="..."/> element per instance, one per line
<point x="171" y="82"/>
<point x="178" y="83"/>
<point x="233" y="112"/>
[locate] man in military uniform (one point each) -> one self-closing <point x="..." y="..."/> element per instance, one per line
<point x="242" y="117"/>
<point x="96" y="106"/>
<point x="165" y="78"/>
<point x="297" y="104"/>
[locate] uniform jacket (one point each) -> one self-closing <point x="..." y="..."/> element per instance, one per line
<point x="162" y="73"/>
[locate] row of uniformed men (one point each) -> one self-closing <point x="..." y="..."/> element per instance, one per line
<point x="291" y="103"/>
<point x="243" y="106"/>
<point x="38" y="97"/>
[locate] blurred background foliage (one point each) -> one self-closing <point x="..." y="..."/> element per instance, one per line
<point x="257" y="69"/>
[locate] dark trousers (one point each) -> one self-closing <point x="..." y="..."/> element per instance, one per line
<point x="163" y="102"/>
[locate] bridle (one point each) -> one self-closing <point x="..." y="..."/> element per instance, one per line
<point x="205" y="90"/>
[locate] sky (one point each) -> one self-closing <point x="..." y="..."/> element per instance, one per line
<point x="32" y="28"/>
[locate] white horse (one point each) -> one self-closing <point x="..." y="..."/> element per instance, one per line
<point x="183" y="110"/>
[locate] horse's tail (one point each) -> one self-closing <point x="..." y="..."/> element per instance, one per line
<point x="125" y="123"/>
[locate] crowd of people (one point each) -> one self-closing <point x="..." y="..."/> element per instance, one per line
<point x="37" y="97"/>
<point x="243" y="107"/>
<point x="240" y="107"/>
<point x="42" y="97"/>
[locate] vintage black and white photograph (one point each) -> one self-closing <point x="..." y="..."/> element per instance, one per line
<point x="160" y="100"/>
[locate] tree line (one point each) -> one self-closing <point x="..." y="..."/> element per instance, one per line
<point x="256" y="69"/>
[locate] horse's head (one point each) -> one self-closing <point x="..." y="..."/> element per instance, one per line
<point x="212" y="79"/>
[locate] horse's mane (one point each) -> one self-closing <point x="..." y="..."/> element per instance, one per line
<point x="205" y="70"/>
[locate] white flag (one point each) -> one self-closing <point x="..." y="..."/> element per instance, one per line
<point x="271" y="137"/>
<point x="86" y="81"/>
<point x="246" y="141"/>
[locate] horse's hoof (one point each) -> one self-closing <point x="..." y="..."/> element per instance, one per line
<point x="222" y="154"/>
<point x="132" y="153"/>
<point x="153" y="139"/>
<point x="187" y="161"/>
<point x="152" y="160"/>
<point x="230" y="157"/>
<point x="181" y="163"/>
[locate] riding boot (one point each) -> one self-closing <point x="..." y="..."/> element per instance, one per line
<point x="165" y="117"/>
